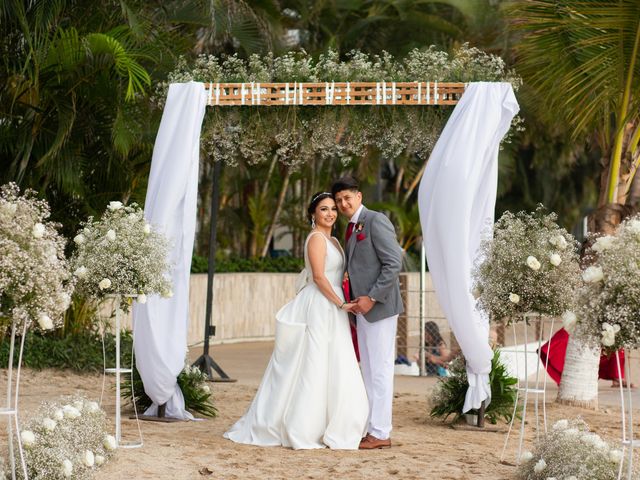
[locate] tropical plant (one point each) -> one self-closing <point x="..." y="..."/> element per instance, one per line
<point x="192" y="382"/>
<point x="583" y="60"/>
<point x="449" y="394"/>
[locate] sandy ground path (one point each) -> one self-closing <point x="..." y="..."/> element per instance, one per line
<point x="423" y="448"/>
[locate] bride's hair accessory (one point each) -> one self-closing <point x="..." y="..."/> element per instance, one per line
<point x="319" y="195"/>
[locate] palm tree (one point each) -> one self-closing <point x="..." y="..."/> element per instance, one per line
<point x="76" y="121"/>
<point x="582" y="60"/>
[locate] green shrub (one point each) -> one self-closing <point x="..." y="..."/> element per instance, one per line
<point x="448" y="396"/>
<point x="238" y="264"/>
<point x="81" y="352"/>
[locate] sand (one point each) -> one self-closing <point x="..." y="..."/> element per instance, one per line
<point x="423" y="448"/>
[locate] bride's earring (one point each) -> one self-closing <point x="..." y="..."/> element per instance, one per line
<point x="313" y="222"/>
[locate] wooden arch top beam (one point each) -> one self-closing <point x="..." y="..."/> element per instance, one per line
<point x="334" y="93"/>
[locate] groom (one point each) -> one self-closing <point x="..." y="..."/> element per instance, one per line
<point x="373" y="262"/>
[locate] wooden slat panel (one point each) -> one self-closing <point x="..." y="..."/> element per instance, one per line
<point x="335" y="93"/>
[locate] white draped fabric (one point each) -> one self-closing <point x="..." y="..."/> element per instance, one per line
<point x="161" y="324"/>
<point x="456" y="201"/>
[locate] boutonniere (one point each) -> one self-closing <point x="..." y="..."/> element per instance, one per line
<point x="359" y="227"/>
<point x="360" y="237"/>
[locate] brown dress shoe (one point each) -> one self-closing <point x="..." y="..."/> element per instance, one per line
<point x="370" y="442"/>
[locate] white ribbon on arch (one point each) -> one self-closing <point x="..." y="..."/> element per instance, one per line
<point x="160" y="325"/>
<point x="456" y="200"/>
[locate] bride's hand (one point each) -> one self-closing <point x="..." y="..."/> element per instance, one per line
<point x="350" y="307"/>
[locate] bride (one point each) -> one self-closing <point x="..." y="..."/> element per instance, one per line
<point x="312" y="394"/>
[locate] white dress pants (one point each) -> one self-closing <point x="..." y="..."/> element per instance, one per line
<point x="376" y="342"/>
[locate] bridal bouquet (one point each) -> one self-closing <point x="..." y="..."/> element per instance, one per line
<point x="530" y="265"/>
<point x="66" y="439"/>
<point x="570" y="451"/>
<point x="35" y="283"/>
<point x="609" y="301"/>
<point x="121" y="253"/>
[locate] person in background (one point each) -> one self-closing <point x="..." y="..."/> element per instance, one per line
<point x="437" y="355"/>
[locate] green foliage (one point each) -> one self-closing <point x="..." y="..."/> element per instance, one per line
<point x="238" y="264"/>
<point x="192" y="382"/>
<point x="448" y="396"/>
<point x="81" y="352"/>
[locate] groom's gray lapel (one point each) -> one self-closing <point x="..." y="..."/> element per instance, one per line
<point x="351" y="244"/>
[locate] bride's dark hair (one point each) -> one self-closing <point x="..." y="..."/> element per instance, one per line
<point x="316" y="198"/>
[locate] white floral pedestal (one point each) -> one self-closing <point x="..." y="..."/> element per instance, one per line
<point x="539" y="388"/>
<point x="118" y="371"/>
<point x="626" y="409"/>
<point x="11" y="408"/>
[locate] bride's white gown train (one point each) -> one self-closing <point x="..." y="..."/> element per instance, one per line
<point x="312" y="394"/>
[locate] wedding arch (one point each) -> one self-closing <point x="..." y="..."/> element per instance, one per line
<point x="456" y="202"/>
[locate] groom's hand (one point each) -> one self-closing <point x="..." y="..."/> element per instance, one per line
<point x="364" y="304"/>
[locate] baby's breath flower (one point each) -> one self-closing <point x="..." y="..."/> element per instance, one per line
<point x="609" y="307"/>
<point x="570" y="450"/>
<point x="121" y="254"/>
<point x="512" y="278"/>
<point x="67" y="444"/>
<point x="34" y="275"/>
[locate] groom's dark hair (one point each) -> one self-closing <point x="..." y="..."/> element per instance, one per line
<point x="345" y="183"/>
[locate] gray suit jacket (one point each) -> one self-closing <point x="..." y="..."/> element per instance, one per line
<point x="374" y="261"/>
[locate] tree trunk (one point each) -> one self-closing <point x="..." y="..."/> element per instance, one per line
<point x="579" y="384"/>
<point x="276" y="214"/>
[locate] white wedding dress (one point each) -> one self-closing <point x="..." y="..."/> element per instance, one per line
<point x="312" y="394"/>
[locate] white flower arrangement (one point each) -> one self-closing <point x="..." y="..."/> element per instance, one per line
<point x="569" y="450"/>
<point x="231" y="136"/>
<point x="121" y="254"/>
<point x="529" y="265"/>
<point x="609" y="300"/>
<point x="71" y="446"/>
<point x="35" y="282"/>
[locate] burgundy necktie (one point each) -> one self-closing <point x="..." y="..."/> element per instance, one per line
<point x="349" y="231"/>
